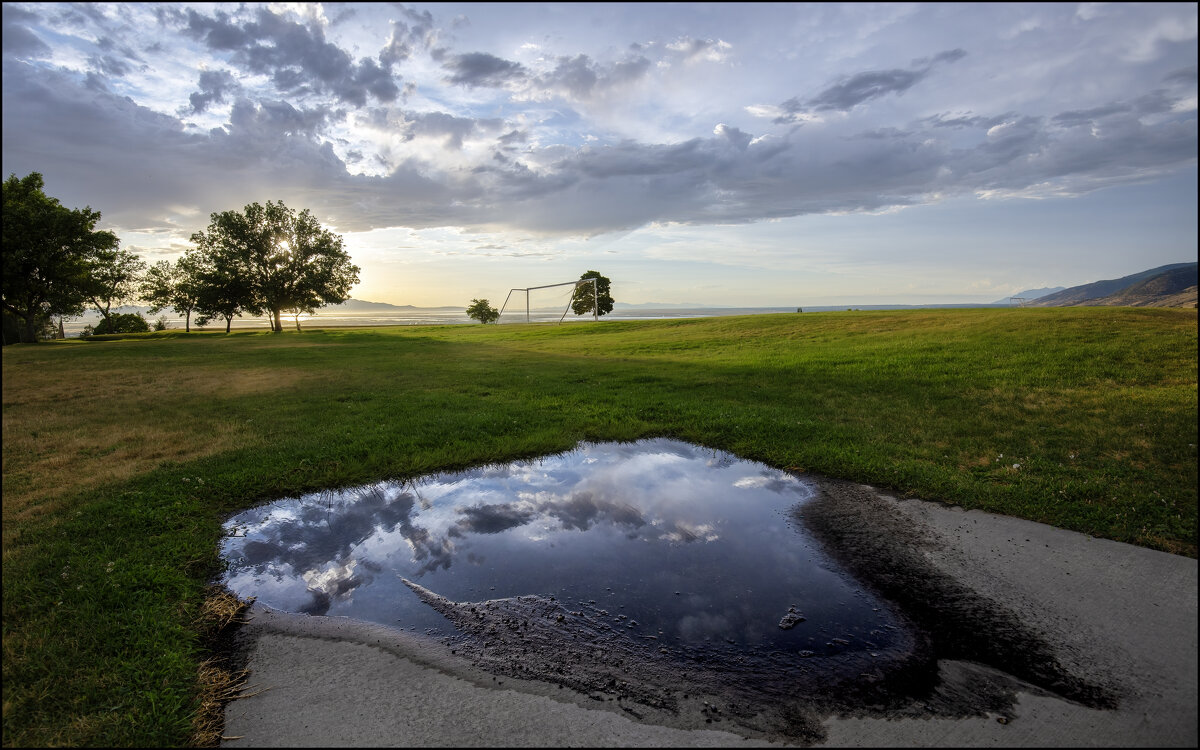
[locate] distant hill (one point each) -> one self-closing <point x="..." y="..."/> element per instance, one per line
<point x="352" y="306"/>
<point x="1166" y="286"/>
<point x="1031" y="294"/>
<point x="358" y="305"/>
<point x="662" y="306"/>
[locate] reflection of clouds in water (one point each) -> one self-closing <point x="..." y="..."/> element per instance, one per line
<point x="775" y="481"/>
<point x="315" y="538"/>
<point x="328" y="584"/>
<point x="686" y="532"/>
<point x="492" y="519"/>
<point x="583" y="509"/>
<point x="655" y="490"/>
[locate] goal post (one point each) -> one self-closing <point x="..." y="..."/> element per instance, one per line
<point x="541" y="302"/>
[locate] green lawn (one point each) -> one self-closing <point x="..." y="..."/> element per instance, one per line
<point x="122" y="457"/>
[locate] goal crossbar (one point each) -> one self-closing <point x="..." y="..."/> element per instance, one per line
<point x="576" y="284"/>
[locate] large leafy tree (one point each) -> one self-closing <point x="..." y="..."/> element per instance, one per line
<point x="288" y="260"/>
<point x="49" y="254"/>
<point x="174" y="285"/>
<point x="584" y="300"/>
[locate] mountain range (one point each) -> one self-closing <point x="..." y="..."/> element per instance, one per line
<point x="1029" y="294"/>
<point x="1172" y="285"/>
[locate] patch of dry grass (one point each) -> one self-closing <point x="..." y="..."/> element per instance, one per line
<point x="65" y="433"/>
<point x="218" y="682"/>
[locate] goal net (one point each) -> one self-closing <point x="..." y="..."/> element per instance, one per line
<point x="546" y="303"/>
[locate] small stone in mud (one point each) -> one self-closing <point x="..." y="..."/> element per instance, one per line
<point x="804" y="654"/>
<point x="790" y="619"/>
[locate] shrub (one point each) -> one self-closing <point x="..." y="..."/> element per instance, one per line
<point x="120" y="323"/>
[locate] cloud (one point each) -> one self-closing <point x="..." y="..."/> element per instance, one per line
<point x="581" y="78"/>
<point x="854" y="90"/>
<point x="479" y="69"/>
<point x="549" y="169"/>
<point x="417" y="34"/>
<point x="214" y="86"/>
<point x="709" y="50"/>
<point x="19" y="41"/>
<point x="296" y="56"/>
<point x="449" y="129"/>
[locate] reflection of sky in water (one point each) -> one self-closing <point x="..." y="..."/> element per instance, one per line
<point x="694" y="545"/>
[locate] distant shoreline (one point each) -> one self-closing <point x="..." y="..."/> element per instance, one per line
<point x="456" y="316"/>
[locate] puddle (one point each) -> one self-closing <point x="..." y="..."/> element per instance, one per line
<point x="620" y="567"/>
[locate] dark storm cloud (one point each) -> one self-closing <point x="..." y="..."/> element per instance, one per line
<point x="479" y="69"/>
<point x="214" y="86"/>
<point x="19" y="41"/>
<point x="863" y="87"/>
<point x="298" y="57"/>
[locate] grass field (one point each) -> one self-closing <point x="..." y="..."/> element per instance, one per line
<point x="122" y="457"/>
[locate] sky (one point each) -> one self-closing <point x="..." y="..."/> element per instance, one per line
<point x="722" y="154"/>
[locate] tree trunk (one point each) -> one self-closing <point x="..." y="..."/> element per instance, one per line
<point x="187" y="321"/>
<point x="30" y="336"/>
<point x="228" y="322"/>
<point x="61" y="335"/>
<point x="277" y="326"/>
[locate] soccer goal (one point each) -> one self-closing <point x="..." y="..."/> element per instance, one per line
<point x="546" y="303"/>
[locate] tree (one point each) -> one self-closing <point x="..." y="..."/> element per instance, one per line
<point x="584" y="300"/>
<point x="482" y="310"/>
<point x="173" y="285"/>
<point x="113" y="279"/>
<point x="48" y="251"/>
<point x="289" y="260"/>
<point x="223" y="288"/>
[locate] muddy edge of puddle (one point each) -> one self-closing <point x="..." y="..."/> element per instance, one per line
<point x="886" y="552"/>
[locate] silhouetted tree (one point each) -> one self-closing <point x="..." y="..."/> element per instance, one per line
<point x="49" y="252"/>
<point x="584" y="300"/>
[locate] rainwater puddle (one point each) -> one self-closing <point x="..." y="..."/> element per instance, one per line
<point x="656" y="548"/>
